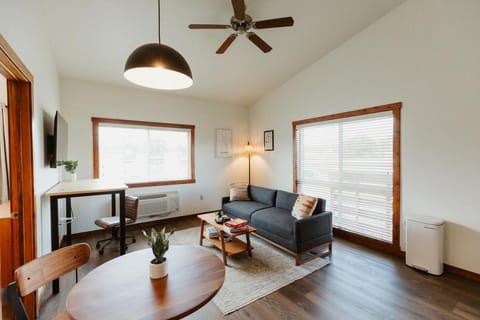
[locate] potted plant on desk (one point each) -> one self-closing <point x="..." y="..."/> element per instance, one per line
<point x="70" y="167"/>
<point x="159" y="242"/>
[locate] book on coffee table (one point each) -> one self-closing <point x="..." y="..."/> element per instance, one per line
<point x="236" y="223"/>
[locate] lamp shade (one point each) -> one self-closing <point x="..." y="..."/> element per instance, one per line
<point x="158" y="66"/>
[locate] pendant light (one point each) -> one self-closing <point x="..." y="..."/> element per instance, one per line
<point x="157" y="66"/>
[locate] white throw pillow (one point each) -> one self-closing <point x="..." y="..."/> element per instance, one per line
<point x="239" y="191"/>
<point x="304" y="206"/>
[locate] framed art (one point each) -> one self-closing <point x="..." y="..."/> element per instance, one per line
<point x="223" y="143"/>
<point x="268" y="140"/>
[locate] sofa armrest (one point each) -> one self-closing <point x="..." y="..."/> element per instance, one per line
<point x="313" y="227"/>
<point x="225" y="200"/>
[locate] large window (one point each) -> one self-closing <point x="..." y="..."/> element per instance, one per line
<point x="352" y="161"/>
<point x="143" y="153"/>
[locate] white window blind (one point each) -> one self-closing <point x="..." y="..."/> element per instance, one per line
<point x="349" y="163"/>
<point x="139" y="154"/>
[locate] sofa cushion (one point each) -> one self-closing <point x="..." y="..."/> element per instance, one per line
<point x="285" y="200"/>
<point x="304" y="206"/>
<point x="242" y="209"/>
<point x="263" y="195"/>
<point x="320" y="206"/>
<point x="274" y="220"/>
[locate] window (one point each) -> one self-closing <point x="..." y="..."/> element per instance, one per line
<point x="143" y="153"/>
<point x="352" y="161"/>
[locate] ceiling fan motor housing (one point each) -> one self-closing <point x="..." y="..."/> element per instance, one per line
<point x="241" y="26"/>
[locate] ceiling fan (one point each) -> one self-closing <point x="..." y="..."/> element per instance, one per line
<point x="242" y="23"/>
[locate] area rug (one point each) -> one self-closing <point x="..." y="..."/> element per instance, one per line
<point x="249" y="279"/>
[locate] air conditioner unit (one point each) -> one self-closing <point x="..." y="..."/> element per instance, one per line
<point x="157" y="204"/>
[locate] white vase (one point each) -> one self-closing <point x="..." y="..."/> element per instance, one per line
<point x="73" y="176"/>
<point x="159" y="270"/>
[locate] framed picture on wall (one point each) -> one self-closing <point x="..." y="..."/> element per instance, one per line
<point x="223" y="143"/>
<point x="268" y="140"/>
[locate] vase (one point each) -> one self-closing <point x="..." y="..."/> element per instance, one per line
<point x="158" y="270"/>
<point x="73" y="176"/>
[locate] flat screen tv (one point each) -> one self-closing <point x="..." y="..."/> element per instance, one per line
<point x="58" y="142"/>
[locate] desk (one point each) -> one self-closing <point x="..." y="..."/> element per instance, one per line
<point x="122" y="289"/>
<point x="83" y="188"/>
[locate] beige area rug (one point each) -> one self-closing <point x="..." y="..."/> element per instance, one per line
<point x="249" y="279"/>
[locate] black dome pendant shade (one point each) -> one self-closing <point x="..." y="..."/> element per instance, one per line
<point x="158" y="66"/>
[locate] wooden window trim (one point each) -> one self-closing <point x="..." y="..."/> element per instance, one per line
<point x="96" y="165"/>
<point x="393" y="247"/>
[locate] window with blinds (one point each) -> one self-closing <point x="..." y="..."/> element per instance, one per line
<point x="349" y="162"/>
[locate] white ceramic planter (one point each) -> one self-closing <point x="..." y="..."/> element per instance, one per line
<point x="158" y="271"/>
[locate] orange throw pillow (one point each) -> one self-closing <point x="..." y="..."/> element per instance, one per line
<point x="304" y="206"/>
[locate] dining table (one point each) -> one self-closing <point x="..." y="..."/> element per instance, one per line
<point x="122" y="288"/>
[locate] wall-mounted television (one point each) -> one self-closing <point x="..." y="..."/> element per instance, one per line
<point x="58" y="142"/>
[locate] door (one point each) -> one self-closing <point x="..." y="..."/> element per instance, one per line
<point x="17" y="229"/>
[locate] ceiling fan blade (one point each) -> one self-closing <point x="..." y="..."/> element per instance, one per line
<point x="239" y="9"/>
<point x="226" y="43"/>
<point x="209" y="26"/>
<point x="258" y="42"/>
<point x="274" y="23"/>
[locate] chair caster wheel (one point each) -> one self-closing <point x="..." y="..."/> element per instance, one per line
<point x="134" y="240"/>
<point x="101" y="251"/>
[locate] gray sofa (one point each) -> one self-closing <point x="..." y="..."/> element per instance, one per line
<point x="269" y="211"/>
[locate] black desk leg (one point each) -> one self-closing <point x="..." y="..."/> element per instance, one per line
<point x="122" y="222"/>
<point x="54" y="234"/>
<point x="69" y="220"/>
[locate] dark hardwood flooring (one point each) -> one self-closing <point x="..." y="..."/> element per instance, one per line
<point x="360" y="283"/>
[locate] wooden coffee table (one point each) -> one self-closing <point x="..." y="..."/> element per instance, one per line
<point x="228" y="248"/>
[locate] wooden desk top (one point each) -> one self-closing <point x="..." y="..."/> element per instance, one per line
<point x="122" y="289"/>
<point x="85" y="186"/>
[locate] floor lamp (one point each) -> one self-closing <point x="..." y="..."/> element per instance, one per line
<point x="248" y="149"/>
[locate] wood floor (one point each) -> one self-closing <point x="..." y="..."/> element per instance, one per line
<point x="360" y="283"/>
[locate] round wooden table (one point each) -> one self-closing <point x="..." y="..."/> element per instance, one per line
<point x="122" y="288"/>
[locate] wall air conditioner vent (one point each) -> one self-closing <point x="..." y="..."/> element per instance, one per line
<point x="157" y="204"/>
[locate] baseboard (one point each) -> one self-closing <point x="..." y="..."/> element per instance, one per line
<point x="462" y="273"/>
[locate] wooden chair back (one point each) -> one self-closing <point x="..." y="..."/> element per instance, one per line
<point x="44" y="269"/>
<point x="131" y="207"/>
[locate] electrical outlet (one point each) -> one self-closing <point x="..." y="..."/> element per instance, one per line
<point x="201" y="197"/>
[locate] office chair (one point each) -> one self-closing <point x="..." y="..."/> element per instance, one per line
<point x="131" y="213"/>
<point x="40" y="271"/>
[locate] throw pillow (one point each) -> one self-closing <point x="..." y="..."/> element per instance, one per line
<point x="239" y="191"/>
<point x="304" y="206"/>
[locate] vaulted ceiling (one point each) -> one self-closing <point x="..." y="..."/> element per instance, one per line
<point x="91" y="39"/>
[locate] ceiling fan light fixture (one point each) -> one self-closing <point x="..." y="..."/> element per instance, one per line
<point x="158" y="66"/>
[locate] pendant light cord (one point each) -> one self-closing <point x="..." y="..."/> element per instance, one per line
<point x="159" y="40"/>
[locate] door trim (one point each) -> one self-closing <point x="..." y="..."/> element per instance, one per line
<point x="20" y="104"/>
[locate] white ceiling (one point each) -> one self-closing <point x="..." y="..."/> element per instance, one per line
<point x="91" y="39"/>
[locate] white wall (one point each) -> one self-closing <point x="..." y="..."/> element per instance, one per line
<point x="23" y="27"/>
<point x="425" y="54"/>
<point x="82" y="100"/>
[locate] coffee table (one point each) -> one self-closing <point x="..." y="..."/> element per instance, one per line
<point x="228" y="248"/>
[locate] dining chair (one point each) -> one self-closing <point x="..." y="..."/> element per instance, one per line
<point x="113" y="223"/>
<point x="40" y="271"/>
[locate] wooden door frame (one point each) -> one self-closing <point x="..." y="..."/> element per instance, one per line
<point x="22" y="221"/>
